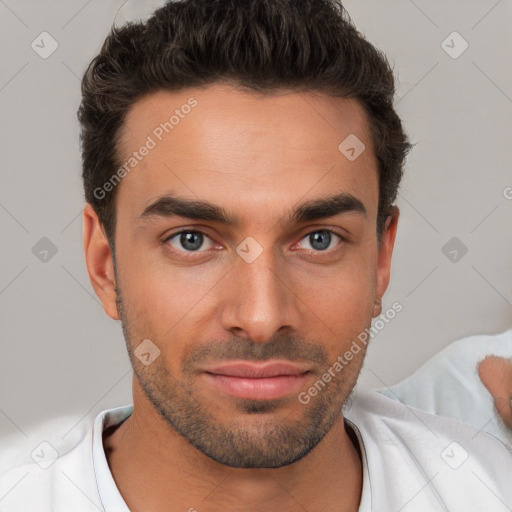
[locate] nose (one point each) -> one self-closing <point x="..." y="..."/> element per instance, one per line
<point x="259" y="299"/>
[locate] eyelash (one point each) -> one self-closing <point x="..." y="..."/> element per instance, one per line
<point x="197" y="231"/>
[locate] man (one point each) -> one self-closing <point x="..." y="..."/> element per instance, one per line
<point x="240" y="163"/>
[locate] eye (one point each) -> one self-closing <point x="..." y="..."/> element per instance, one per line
<point x="189" y="241"/>
<point x="320" y="240"/>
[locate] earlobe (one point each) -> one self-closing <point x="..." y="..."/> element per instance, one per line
<point x="377" y="307"/>
<point x="99" y="262"/>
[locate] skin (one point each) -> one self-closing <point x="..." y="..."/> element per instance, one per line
<point x="187" y="444"/>
<point x="496" y="375"/>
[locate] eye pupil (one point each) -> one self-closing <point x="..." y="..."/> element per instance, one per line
<point x="191" y="240"/>
<point x="323" y="238"/>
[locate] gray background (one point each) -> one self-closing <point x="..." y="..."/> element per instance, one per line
<point x="60" y="354"/>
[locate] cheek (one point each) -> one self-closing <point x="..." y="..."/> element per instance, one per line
<point x="342" y="297"/>
<point x="164" y="303"/>
<point x="345" y="307"/>
<point x="146" y="293"/>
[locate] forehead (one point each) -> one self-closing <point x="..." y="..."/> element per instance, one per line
<point x="245" y="150"/>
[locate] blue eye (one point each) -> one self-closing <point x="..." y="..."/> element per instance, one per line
<point x="189" y="241"/>
<point x="193" y="241"/>
<point x="320" y="240"/>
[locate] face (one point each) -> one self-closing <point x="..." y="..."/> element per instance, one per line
<point x="279" y="261"/>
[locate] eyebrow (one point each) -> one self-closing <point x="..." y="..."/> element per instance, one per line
<point x="315" y="209"/>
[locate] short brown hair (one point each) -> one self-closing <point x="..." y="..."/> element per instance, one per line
<point x="259" y="45"/>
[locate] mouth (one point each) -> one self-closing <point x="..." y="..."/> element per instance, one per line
<point x="257" y="381"/>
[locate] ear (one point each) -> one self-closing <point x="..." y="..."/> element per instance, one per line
<point x="98" y="259"/>
<point x="387" y="243"/>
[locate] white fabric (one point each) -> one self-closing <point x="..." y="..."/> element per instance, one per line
<point x="408" y="457"/>
<point x="448" y="384"/>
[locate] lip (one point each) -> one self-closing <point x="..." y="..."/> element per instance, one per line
<point x="257" y="370"/>
<point x="263" y="388"/>
<point x="257" y="381"/>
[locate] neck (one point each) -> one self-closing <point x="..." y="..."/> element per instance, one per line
<point x="157" y="469"/>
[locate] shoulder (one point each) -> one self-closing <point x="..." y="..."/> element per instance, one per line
<point x="448" y="462"/>
<point x="48" y="465"/>
<point x="461" y="356"/>
<point x="448" y="384"/>
<point x="474" y="348"/>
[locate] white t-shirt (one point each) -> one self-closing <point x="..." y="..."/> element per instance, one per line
<point x="412" y="462"/>
<point x="448" y="384"/>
